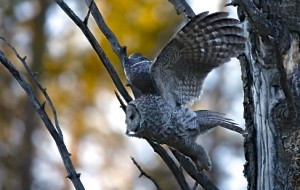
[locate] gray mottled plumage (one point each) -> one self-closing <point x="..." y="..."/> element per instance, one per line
<point x="174" y="79"/>
<point x="138" y="75"/>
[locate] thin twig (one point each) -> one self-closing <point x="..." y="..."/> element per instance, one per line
<point x="119" y="50"/>
<point x="183" y="8"/>
<point x="72" y="174"/>
<point x="123" y="106"/>
<point x="101" y="54"/>
<point x="87" y="17"/>
<point x="41" y="88"/>
<point x="143" y="173"/>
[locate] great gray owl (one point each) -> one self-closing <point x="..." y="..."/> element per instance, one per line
<point x="174" y="79"/>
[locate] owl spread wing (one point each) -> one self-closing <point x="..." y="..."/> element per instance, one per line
<point x="206" y="42"/>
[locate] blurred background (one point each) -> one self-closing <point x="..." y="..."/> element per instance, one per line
<point x="89" y="114"/>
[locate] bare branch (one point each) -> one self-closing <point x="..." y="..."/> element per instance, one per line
<point x="41" y="88"/>
<point x="101" y="54"/>
<point x="87" y="17"/>
<point x="143" y="173"/>
<point x="123" y="106"/>
<point x="71" y="173"/>
<point x="171" y="164"/>
<point x="118" y="49"/>
<point x="182" y="7"/>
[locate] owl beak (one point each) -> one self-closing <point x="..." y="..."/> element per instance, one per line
<point x="130" y="133"/>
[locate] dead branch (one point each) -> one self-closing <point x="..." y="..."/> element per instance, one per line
<point x="96" y="46"/>
<point x="183" y="8"/>
<point x="143" y="173"/>
<point x="119" y="50"/>
<point x="39" y="107"/>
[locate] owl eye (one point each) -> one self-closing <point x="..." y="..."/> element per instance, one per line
<point x="131" y="117"/>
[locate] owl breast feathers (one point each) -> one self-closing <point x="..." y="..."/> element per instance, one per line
<point x="164" y="87"/>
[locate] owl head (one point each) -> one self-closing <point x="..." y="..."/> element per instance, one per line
<point x="133" y="120"/>
<point x="145" y="113"/>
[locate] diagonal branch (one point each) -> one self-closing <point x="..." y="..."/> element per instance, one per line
<point x="119" y="50"/>
<point x="43" y="90"/>
<point x="171" y="164"/>
<point x="101" y="54"/>
<point x="72" y="174"/>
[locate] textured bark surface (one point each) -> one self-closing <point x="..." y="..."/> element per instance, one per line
<point x="270" y="73"/>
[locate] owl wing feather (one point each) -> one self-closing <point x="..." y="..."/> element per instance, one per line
<point x="205" y="43"/>
<point x="209" y="119"/>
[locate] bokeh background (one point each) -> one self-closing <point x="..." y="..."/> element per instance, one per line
<point x="83" y="94"/>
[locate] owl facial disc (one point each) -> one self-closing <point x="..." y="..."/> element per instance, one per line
<point x="133" y="120"/>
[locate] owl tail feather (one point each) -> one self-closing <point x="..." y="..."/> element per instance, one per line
<point x="208" y="119"/>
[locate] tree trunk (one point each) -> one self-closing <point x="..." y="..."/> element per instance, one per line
<point x="271" y="78"/>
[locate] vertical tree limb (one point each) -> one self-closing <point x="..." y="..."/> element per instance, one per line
<point x="269" y="65"/>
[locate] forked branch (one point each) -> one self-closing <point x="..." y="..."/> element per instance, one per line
<point x="39" y="107"/>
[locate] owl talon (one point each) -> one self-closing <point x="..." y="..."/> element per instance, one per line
<point x="203" y="164"/>
<point x="245" y="133"/>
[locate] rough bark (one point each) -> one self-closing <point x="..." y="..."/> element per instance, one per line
<point x="270" y="73"/>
